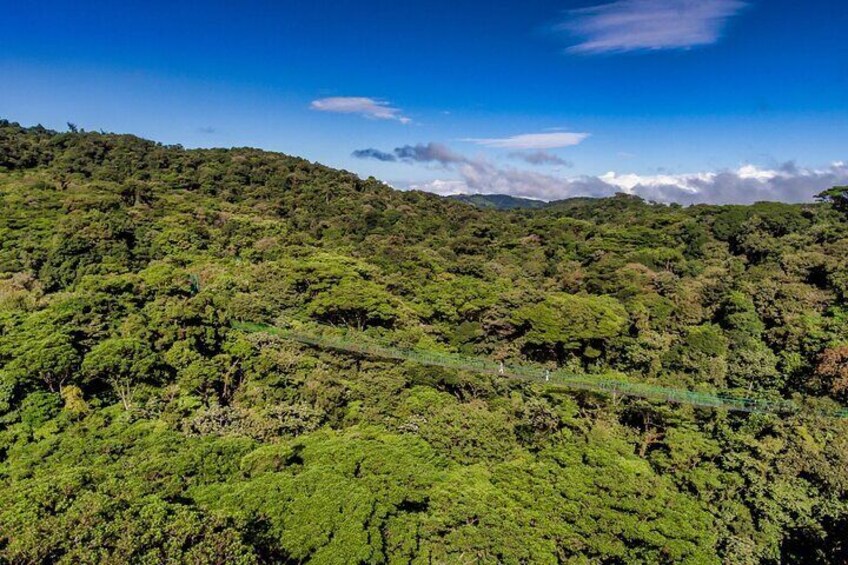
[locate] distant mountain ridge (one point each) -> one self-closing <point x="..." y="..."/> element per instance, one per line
<point x="498" y="201"/>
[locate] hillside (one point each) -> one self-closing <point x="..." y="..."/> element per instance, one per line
<point x="498" y="201"/>
<point x="138" y="423"/>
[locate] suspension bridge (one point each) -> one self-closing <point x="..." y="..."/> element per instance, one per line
<point x="359" y="344"/>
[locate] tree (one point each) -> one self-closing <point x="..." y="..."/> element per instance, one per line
<point x="568" y="322"/>
<point x="74" y="402"/>
<point x="134" y="192"/>
<point x="48" y="357"/>
<point x="356" y="303"/>
<point x="750" y="362"/>
<point x="703" y="353"/>
<point x="837" y="197"/>
<point x="832" y="370"/>
<point x="361" y="496"/>
<point x="125" y="363"/>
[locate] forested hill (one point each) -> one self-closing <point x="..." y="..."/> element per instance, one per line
<point x="498" y="201"/>
<point x="138" y="425"/>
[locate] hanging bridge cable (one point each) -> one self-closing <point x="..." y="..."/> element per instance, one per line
<point x="359" y="343"/>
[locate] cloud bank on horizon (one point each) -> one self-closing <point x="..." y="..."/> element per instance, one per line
<point x="745" y="185"/>
<point x="637" y="25"/>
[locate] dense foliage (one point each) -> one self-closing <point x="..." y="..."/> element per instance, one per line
<point x="137" y="426"/>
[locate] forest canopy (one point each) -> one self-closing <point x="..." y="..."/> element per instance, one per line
<point x="138" y="425"/>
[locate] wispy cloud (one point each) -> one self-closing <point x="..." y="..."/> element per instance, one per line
<point x="431" y="152"/>
<point x="635" y="25"/>
<point x="421" y="153"/>
<point x="372" y="153"/>
<point x="551" y="140"/>
<point x="541" y="158"/>
<point x="363" y="106"/>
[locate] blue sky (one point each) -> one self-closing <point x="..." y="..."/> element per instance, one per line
<point x="684" y="100"/>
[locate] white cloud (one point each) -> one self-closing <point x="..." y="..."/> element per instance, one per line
<point x="363" y="106"/>
<point x="551" y="140"/>
<point x="629" y="182"/>
<point x="745" y="185"/>
<point x="752" y="172"/>
<point x="635" y="25"/>
<point x="440" y="187"/>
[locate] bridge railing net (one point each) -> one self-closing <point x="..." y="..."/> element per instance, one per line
<point x="356" y="342"/>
